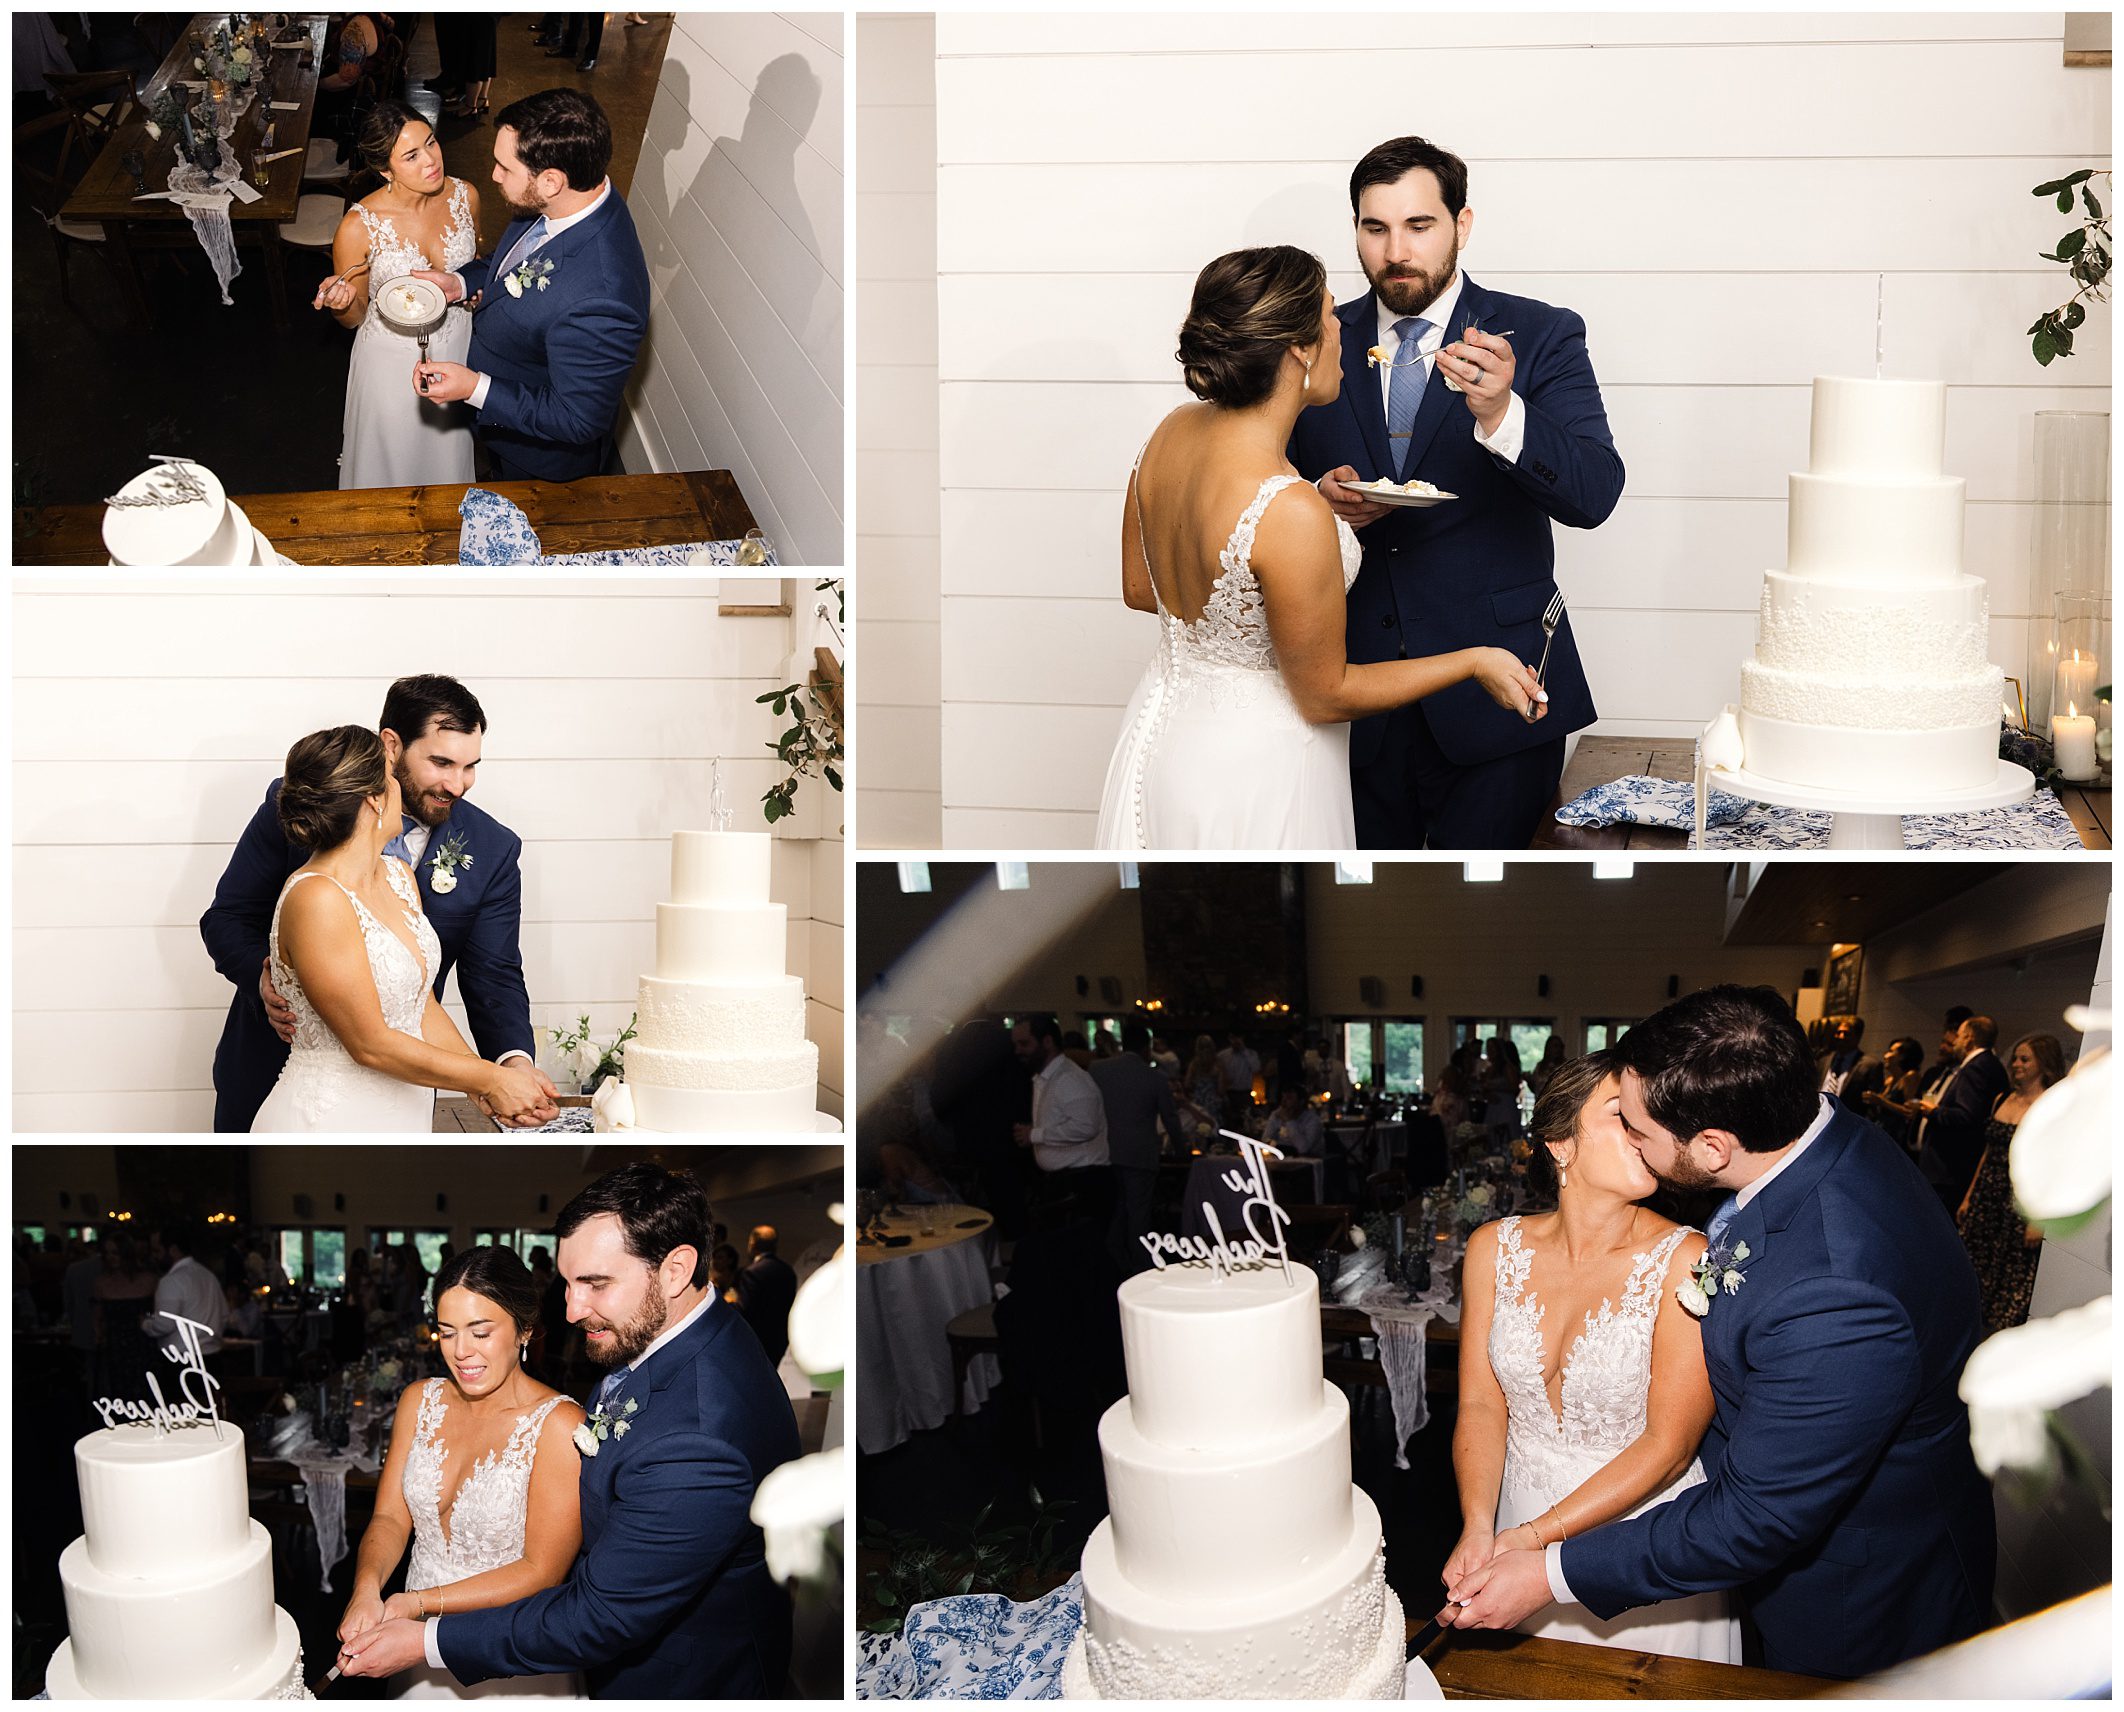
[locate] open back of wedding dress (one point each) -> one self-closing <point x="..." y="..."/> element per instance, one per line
<point x="321" y="1088"/>
<point x="1213" y="753"/>
<point x="1607" y="1383"/>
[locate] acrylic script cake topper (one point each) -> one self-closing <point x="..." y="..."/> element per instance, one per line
<point x="195" y="1385"/>
<point x="1260" y="1247"/>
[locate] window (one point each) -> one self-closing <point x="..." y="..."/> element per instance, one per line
<point x="1529" y="1035"/>
<point x="428" y="1244"/>
<point x="1014" y="876"/>
<point x="1384" y="1054"/>
<point x="1092" y="1025"/>
<point x="1403" y="1056"/>
<point x="315" y="1258"/>
<point x="521" y="1241"/>
<point x="1357" y="1052"/>
<point x="1603" y="1032"/>
<point x="1354" y="873"/>
<point x="1131" y="877"/>
<point x="914" y="876"/>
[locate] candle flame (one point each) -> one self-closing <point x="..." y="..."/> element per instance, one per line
<point x="2072" y="710"/>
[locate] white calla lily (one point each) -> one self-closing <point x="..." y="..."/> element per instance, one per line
<point x="2012" y="1380"/>
<point x="794" y="1507"/>
<point x="2060" y="1161"/>
<point x="611" y="1107"/>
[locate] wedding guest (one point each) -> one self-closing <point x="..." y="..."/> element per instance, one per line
<point x="1893" y="1105"/>
<point x="580" y="24"/>
<point x="244" y="1312"/>
<point x="1163" y="1055"/>
<point x="1237" y="1065"/>
<point x="1138" y="1099"/>
<point x="1552" y="1059"/>
<point x="767" y="1291"/>
<point x="476" y="59"/>
<point x="124" y="1296"/>
<point x="2002" y="1245"/>
<point x="1325" y="1071"/>
<point x="1850" y="1073"/>
<point x="1948" y="1059"/>
<point x="1954" y="1122"/>
<point x="723" y="1273"/>
<point x="979" y="1089"/>
<point x="1501" y="1082"/>
<point x="187" y="1290"/>
<point x="1449" y="1097"/>
<point x="1079" y="1050"/>
<point x="1104" y="1045"/>
<point x="1202" y="1086"/>
<point x="1294" y="1126"/>
<point x="1068" y="1129"/>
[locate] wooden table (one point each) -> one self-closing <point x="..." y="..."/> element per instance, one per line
<point x="1487" y="1664"/>
<point x="419" y="525"/>
<point x="1600" y="760"/>
<point x="106" y="191"/>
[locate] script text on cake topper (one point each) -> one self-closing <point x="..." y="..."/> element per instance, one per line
<point x="1260" y="1248"/>
<point x="196" y="1385"/>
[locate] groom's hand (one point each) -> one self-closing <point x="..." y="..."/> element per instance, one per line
<point x="449" y="284"/>
<point x="1483" y="364"/>
<point x="1353" y="508"/>
<point x="1506" y="1591"/>
<point x="385" y="1650"/>
<point x="445" y="383"/>
<point x="279" y="1012"/>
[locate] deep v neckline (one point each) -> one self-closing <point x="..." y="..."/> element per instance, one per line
<point x="445" y="1513"/>
<point x="1591" y="1321"/>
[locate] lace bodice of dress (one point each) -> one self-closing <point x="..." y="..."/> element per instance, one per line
<point x="402" y="980"/>
<point x="1607" y="1370"/>
<point x="391" y="257"/>
<point x="484" y="1528"/>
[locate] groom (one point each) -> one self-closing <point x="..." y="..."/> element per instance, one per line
<point x="671" y="1597"/>
<point x="1523" y="445"/>
<point x="1842" y="1504"/>
<point x="561" y="306"/>
<point x="470" y="890"/>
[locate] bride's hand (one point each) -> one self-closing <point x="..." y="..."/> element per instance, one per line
<point x="1520" y="1537"/>
<point x="334" y="294"/>
<point x="364" y="1612"/>
<point x="1475" y="1549"/>
<point x="515" y="1092"/>
<point x="449" y="284"/>
<point x="402" y="1605"/>
<point x="1510" y="682"/>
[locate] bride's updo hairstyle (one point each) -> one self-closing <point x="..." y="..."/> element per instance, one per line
<point x="378" y="137"/>
<point x="325" y="787"/>
<point x="497" y="1274"/>
<point x="1555" y="1117"/>
<point x="1249" y="308"/>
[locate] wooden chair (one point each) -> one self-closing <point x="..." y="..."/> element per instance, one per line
<point x="970" y="1334"/>
<point x="322" y="166"/>
<point x="46" y="189"/>
<point x="97" y="104"/>
<point x="1386" y="1190"/>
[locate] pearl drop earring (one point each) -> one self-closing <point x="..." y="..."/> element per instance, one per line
<point x="1563" y="1177"/>
<point x="1308" y="386"/>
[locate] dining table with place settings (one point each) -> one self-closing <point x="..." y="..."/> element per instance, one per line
<point x="917" y="1269"/>
<point x="128" y="188"/>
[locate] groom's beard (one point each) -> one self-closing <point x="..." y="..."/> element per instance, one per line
<point x="630" y="1339"/>
<point x="1414" y="290"/>
<point x="1683" y="1173"/>
<point x="430" y="811"/>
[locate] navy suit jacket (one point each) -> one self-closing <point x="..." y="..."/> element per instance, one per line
<point x="476" y="920"/>
<point x="1478" y="570"/>
<point x="1954" y="1135"/>
<point x="1842" y="1499"/>
<point x="559" y="359"/>
<point x="670" y="1597"/>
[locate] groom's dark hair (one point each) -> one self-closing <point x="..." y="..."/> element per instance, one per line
<point x="412" y="704"/>
<point x="1393" y="161"/>
<point x="658" y="1210"/>
<point x="1730" y="1057"/>
<point x="562" y="129"/>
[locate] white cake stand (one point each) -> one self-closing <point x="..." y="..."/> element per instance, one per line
<point x="828" y="1123"/>
<point x="1420" y="1684"/>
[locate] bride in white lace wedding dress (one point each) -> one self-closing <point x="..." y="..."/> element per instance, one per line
<point x="1583" y="1395"/>
<point x="420" y="219"/>
<point x="1238" y="736"/>
<point x="482" y="1475"/>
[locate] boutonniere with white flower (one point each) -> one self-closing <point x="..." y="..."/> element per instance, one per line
<point x="603" y="1424"/>
<point x="1718" y="1270"/>
<point x="444" y="864"/>
<point x="535" y="272"/>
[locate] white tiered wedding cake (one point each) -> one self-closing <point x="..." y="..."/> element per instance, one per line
<point x="1872" y="670"/>
<point x="1237" y="1561"/>
<point x="169" y="1590"/>
<point x="177" y="514"/>
<point x="719" y="1028"/>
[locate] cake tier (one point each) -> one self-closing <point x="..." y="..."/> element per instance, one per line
<point x="1845" y="758"/>
<point x="1865" y="703"/>
<point x="1883" y="635"/>
<point x="1888" y="531"/>
<point x="790" y="1110"/>
<point x="154" y="1505"/>
<point x="1878" y="427"/>
<point x="197" y="1628"/>
<point x="723" y="1072"/>
<point x="737" y="1017"/>
<point x="1227" y="1363"/>
<point x="207" y="531"/>
<point x="721" y="867"/>
<point x="1187" y="1523"/>
<point x="1315" y="1634"/>
<point x="722" y="942"/>
<point x="277" y="1676"/>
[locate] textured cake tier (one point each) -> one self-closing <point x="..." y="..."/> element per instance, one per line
<point x="1877" y="427"/>
<point x="727" y="1016"/>
<point x="1225" y="1363"/>
<point x="1882" y="635"/>
<point x="726" y="1072"/>
<point x="155" y="1504"/>
<point x="1844" y="758"/>
<point x="1314" y="1635"/>
<point x="1187" y="1523"/>
<point x="1888" y="531"/>
<point x="1864" y="703"/>
<point x="789" y="1110"/>
<point x="203" y="1627"/>
<point x="720" y="867"/>
<point x="722" y="942"/>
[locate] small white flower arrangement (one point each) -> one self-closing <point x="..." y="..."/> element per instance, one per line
<point x="447" y="860"/>
<point x="536" y="272"/>
<point x="1718" y="1270"/>
<point x="601" y="1426"/>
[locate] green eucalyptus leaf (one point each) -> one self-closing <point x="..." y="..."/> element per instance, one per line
<point x="2050" y="189"/>
<point x="2065" y="201"/>
<point x="2045" y="348"/>
<point x="2087" y="196"/>
<point x="2080" y="177"/>
<point x="2072" y="243"/>
<point x="833" y="778"/>
<point x="2075" y="314"/>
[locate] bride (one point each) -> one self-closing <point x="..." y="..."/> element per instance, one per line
<point x="421" y="218"/>
<point x="356" y="959"/>
<point x="1572" y="1417"/>
<point x="1238" y="736"/>
<point x="483" y="1475"/>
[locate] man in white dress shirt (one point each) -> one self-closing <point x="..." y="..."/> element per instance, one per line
<point x="187" y="1291"/>
<point x="1068" y="1128"/>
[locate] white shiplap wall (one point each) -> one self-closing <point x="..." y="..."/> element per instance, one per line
<point x="896" y="427"/>
<point x="1714" y="193"/>
<point x="739" y="202"/>
<point x="149" y="718"/>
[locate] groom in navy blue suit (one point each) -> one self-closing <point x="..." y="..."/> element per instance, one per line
<point x="1843" y="1504"/>
<point x="671" y="1597"/>
<point x="560" y="306"/>
<point x="1523" y="445"/>
<point x="470" y="889"/>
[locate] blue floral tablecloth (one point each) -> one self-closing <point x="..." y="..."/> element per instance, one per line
<point x="1734" y="823"/>
<point x="980" y="1647"/>
<point x="495" y="531"/>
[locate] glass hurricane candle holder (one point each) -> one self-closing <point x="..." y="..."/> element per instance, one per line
<point x="2080" y="676"/>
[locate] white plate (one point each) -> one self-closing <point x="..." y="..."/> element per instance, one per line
<point x="390" y="306"/>
<point x="1391" y="493"/>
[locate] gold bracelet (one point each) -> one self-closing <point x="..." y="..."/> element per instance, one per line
<point x="420" y="1603"/>
<point x="1562" y="1533"/>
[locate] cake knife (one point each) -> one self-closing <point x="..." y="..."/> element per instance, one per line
<point x="1428" y="1633"/>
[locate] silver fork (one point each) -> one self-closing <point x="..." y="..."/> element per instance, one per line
<point x="1551" y="617"/>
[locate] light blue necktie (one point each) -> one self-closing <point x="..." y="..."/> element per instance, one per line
<point x="534" y="235"/>
<point x="1721" y="1219"/>
<point x="398" y="846"/>
<point x="1404" y="391"/>
<point x="606" y="1387"/>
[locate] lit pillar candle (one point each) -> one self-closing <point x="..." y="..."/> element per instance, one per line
<point x="2072" y="735"/>
<point x="2076" y="682"/>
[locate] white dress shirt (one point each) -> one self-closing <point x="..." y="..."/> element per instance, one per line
<point x="554" y="228"/>
<point x="1552" y="1554"/>
<point x="1298" y="1137"/>
<point x="1068" y="1117"/>
<point x="428" y="1641"/>
<point x="1511" y="433"/>
<point x="189" y="1291"/>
